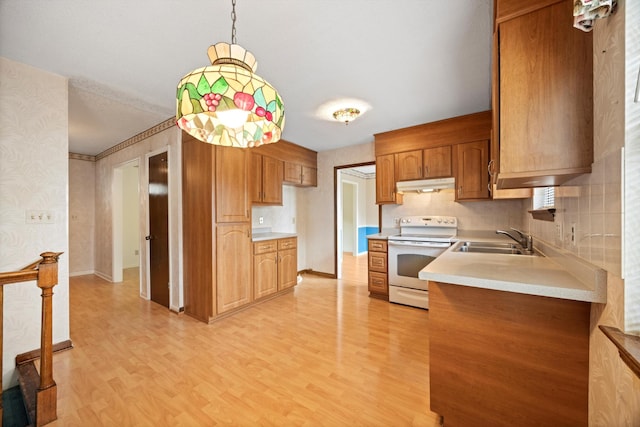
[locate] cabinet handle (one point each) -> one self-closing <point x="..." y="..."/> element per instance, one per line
<point x="460" y="191"/>
<point x="490" y="167"/>
<point x="489" y="188"/>
<point x="426" y="171"/>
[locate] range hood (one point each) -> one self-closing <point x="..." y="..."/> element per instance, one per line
<point x="425" y="185"/>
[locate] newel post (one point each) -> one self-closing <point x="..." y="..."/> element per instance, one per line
<point x="46" y="396"/>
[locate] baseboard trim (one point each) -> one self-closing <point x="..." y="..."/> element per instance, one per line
<point x="82" y="273"/>
<point x="317" y="273"/>
<point x="103" y="276"/>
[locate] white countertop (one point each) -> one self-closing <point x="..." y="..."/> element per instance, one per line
<point x="526" y="274"/>
<point x="259" y="237"/>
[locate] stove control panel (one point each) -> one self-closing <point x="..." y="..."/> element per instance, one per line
<point x="429" y="221"/>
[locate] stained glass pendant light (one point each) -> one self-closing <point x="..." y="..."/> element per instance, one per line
<point x="226" y="103"/>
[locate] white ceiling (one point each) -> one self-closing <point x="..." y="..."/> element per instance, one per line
<point x="412" y="61"/>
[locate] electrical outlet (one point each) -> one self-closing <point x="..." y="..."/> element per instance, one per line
<point x="261" y="220"/>
<point x="574" y="231"/>
<point x="396" y="221"/>
<point x="39" y="217"/>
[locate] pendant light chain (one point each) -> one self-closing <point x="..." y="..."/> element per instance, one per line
<point x="233" y="20"/>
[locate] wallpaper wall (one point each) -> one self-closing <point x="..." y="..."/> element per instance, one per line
<point x="33" y="176"/>
<point x="81" y="217"/>
<point x="168" y="140"/>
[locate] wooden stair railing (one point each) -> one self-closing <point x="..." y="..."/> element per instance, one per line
<point x="42" y="394"/>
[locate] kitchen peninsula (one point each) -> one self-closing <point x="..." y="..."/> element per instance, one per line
<point x="509" y="336"/>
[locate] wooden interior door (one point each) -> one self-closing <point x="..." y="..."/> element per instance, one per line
<point x="159" y="228"/>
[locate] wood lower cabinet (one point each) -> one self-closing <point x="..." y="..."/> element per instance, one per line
<point x="504" y="359"/>
<point x="378" y="282"/>
<point x="233" y="266"/>
<point x="472" y="174"/>
<point x="275" y="266"/>
<point x="265" y="268"/>
<point x="288" y="263"/>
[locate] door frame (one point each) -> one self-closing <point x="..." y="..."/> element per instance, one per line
<point x="117" y="219"/>
<point x="145" y="288"/>
<point x="337" y="213"/>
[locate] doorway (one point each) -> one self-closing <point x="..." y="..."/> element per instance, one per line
<point x="356" y="213"/>
<point x="158" y="236"/>
<point x="126" y="219"/>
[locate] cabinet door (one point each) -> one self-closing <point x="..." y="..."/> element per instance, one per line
<point x="409" y="165"/>
<point x="472" y="176"/>
<point x="378" y="261"/>
<point x="385" y="179"/>
<point x="292" y="173"/>
<point x="288" y="268"/>
<point x="546" y="98"/>
<point x="378" y="283"/>
<point x="265" y="274"/>
<point x="309" y="177"/>
<point x="232" y="184"/>
<point x="272" y="174"/>
<point x="233" y="266"/>
<point x="437" y="162"/>
<point x="255" y="179"/>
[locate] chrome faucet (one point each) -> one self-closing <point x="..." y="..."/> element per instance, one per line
<point x="523" y="239"/>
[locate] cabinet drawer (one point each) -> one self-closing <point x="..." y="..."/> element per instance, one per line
<point x="378" y="262"/>
<point x="378" y="283"/>
<point x="264" y="247"/>
<point x="377" y="245"/>
<point x="287" y="243"/>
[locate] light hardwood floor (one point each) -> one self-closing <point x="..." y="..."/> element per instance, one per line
<point x="323" y="355"/>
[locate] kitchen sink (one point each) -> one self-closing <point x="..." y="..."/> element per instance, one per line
<point x="490" y="248"/>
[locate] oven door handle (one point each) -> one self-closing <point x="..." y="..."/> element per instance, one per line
<point x="420" y="244"/>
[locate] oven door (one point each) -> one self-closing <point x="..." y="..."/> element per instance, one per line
<point x="407" y="258"/>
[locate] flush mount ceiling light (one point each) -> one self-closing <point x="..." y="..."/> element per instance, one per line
<point x="346" y="115"/>
<point x="226" y="103"/>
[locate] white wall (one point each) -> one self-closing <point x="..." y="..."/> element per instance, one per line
<point x="169" y="140"/>
<point x="34" y="170"/>
<point x="130" y="217"/>
<point x="81" y="216"/>
<point x="320" y="242"/>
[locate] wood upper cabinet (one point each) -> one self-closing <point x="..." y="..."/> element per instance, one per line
<point x="266" y="180"/>
<point x="420" y="164"/>
<point x="472" y="176"/>
<point x="232" y="184"/>
<point x="300" y="175"/>
<point x="437" y="162"/>
<point x="409" y="165"/>
<point x="233" y="266"/>
<point x="386" y="180"/>
<point x="545" y="98"/>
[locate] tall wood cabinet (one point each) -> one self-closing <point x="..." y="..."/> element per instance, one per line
<point x="233" y="266"/>
<point x="216" y="229"/>
<point x="543" y="102"/>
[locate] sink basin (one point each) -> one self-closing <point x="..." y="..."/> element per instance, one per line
<point x="490" y="248"/>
